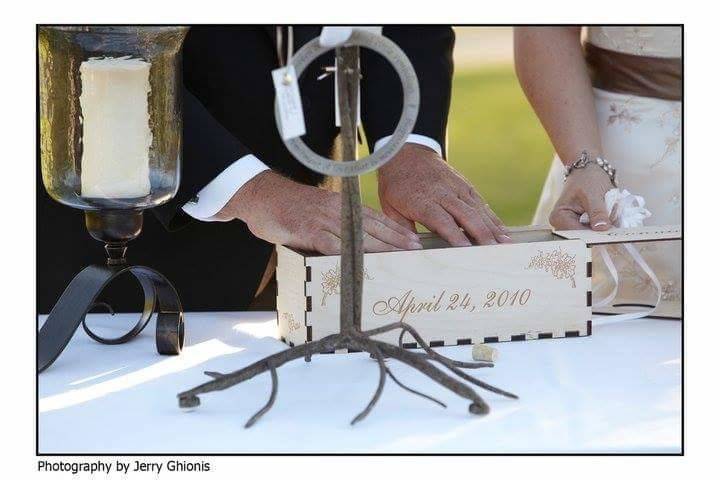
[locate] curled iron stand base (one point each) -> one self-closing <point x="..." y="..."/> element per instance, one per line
<point x="80" y="297"/>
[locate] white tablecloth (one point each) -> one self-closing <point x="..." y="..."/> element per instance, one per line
<point x="616" y="391"/>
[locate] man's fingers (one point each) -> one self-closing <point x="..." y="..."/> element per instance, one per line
<point x="382" y="232"/>
<point x="493" y="223"/>
<point x="474" y="199"/>
<point x="495" y="219"/>
<point x="500" y="233"/>
<point x="397" y="217"/>
<point x="470" y="219"/>
<point x="372" y="245"/>
<point x="438" y="220"/>
<point x="326" y="243"/>
<point x="402" y="229"/>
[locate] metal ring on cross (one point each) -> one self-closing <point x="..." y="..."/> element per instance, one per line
<point x="411" y="104"/>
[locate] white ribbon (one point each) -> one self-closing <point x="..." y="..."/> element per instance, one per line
<point x="626" y="211"/>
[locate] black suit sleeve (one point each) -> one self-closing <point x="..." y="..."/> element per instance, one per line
<point x="208" y="149"/>
<point x="430" y="52"/>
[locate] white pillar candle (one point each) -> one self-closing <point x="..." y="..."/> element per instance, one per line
<point x="116" y="128"/>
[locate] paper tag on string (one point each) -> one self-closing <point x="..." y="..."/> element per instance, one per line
<point x="287" y="92"/>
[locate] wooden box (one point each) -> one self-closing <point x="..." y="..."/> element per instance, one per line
<point x="538" y="287"/>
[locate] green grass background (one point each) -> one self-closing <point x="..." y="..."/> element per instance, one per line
<point x="495" y="140"/>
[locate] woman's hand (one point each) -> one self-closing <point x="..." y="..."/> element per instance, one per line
<point x="584" y="192"/>
<point x="551" y="67"/>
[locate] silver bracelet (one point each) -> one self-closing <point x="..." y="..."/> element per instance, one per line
<point x="583" y="162"/>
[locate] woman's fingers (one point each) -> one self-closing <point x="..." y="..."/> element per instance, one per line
<point x="597" y="211"/>
<point x="566" y="219"/>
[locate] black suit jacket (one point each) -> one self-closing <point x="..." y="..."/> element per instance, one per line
<point x="228" y="113"/>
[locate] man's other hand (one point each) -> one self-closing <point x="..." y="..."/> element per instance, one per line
<point x="419" y="186"/>
<point x="282" y="211"/>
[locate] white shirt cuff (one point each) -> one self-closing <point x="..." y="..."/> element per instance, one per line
<point x="213" y="197"/>
<point x="414" y="138"/>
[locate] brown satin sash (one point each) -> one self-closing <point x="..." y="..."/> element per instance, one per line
<point x="655" y="77"/>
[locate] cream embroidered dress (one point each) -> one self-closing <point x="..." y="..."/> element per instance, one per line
<point x="641" y="137"/>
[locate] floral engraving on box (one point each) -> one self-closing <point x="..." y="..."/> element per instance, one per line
<point x="291" y="322"/>
<point x="331" y="282"/>
<point x="558" y="262"/>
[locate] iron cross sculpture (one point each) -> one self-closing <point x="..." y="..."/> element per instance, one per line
<point x="351" y="335"/>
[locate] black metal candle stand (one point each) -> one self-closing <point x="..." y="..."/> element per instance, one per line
<point x="115" y="228"/>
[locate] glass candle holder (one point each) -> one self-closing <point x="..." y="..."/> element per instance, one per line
<point x="110" y="115"/>
<point x="110" y="144"/>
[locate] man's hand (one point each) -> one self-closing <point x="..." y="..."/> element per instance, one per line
<point x="419" y="186"/>
<point x="285" y="212"/>
<point x="584" y="191"/>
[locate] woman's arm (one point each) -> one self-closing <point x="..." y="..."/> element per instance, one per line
<point x="551" y="69"/>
